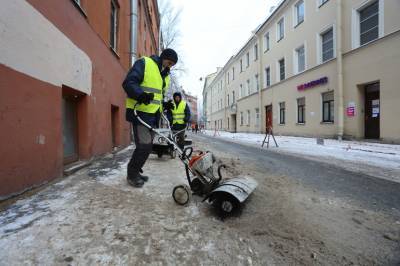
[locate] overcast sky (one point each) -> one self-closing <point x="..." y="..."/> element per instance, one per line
<point x="213" y="31"/>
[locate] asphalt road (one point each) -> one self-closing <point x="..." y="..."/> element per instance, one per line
<point x="360" y="189"/>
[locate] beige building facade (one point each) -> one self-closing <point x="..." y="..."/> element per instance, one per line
<point x="326" y="68"/>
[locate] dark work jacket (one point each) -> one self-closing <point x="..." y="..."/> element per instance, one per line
<point x="186" y="119"/>
<point x="132" y="88"/>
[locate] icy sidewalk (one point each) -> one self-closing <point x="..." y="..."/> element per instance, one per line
<point x="95" y="218"/>
<point x="356" y="155"/>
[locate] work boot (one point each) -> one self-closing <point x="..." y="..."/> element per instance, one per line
<point x="136" y="181"/>
<point x="145" y="178"/>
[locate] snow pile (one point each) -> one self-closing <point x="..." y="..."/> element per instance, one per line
<point x="373" y="154"/>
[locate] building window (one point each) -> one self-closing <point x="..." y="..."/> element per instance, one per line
<point x="301" y="110"/>
<point x="266" y="42"/>
<point x="369" y="23"/>
<point x="241" y="91"/>
<point x="327" y="45"/>
<point x="248" y="87"/>
<point x="233" y="97"/>
<point x="257" y="117"/>
<point x="241" y="118"/>
<point x="233" y="73"/>
<point x="328" y="107"/>
<point x="282" y="69"/>
<point x="248" y="118"/>
<point x="257" y="83"/>
<point x="280" y="29"/>
<point x="300" y="59"/>
<point x="255" y="52"/>
<point x="299" y="12"/>
<point x="241" y="65"/>
<point x="268" y="77"/>
<point x="114" y="26"/>
<point x="282" y="113"/>
<point x="247" y="59"/>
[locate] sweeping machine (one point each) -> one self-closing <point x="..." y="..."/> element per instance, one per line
<point x="225" y="194"/>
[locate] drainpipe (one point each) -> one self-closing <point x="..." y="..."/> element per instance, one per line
<point x="260" y="83"/>
<point x="134" y="17"/>
<point x="339" y="65"/>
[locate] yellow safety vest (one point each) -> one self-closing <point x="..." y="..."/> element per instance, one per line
<point x="152" y="83"/>
<point x="178" y="113"/>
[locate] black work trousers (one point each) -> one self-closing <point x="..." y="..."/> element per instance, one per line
<point x="144" y="143"/>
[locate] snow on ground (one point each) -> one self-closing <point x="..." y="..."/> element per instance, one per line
<point x="354" y="152"/>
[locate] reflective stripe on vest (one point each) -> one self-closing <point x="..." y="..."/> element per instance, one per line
<point x="152" y="83"/>
<point x="178" y="114"/>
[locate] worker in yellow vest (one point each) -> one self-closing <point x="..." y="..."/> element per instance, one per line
<point x="145" y="85"/>
<point x="179" y="116"/>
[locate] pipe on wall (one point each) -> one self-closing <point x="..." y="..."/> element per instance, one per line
<point x="339" y="55"/>
<point x="134" y="30"/>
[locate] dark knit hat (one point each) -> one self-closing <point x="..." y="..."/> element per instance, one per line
<point x="177" y="94"/>
<point x="169" y="54"/>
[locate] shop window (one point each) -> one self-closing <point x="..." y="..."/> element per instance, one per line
<point x="282" y="113"/>
<point x="301" y="110"/>
<point x="328" y="107"/>
<point x="114" y="26"/>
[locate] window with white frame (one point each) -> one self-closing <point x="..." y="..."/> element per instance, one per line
<point x="114" y="26"/>
<point x="241" y="65"/>
<point x="301" y="110"/>
<point x="300" y="59"/>
<point x="233" y="73"/>
<point x="299" y="12"/>
<point x="281" y="64"/>
<point x="241" y="118"/>
<point x="267" y="77"/>
<point x="257" y="82"/>
<point x="257" y="117"/>
<point x="282" y="111"/>
<point x="247" y="59"/>
<point x="266" y="42"/>
<point x="280" y="29"/>
<point x="248" y="118"/>
<point x="255" y="52"/>
<point x="248" y="87"/>
<point x="328" y="107"/>
<point x="369" y="23"/>
<point x="327" y="45"/>
<point x="241" y="91"/>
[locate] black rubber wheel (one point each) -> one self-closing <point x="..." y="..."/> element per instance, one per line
<point x="182" y="194"/>
<point x="226" y="205"/>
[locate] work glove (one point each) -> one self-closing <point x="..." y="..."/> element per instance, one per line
<point x="145" y="98"/>
<point x="168" y="105"/>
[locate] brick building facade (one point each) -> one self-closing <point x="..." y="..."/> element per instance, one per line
<point x="61" y="68"/>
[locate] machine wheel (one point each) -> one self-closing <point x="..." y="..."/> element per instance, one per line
<point x="182" y="194"/>
<point x="226" y="205"/>
<point x="159" y="154"/>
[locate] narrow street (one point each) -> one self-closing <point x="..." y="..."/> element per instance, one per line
<point x="296" y="216"/>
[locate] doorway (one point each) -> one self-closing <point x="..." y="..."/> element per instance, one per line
<point x="268" y="117"/>
<point x="70" y="129"/>
<point x="372" y="111"/>
<point x="233" y="119"/>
